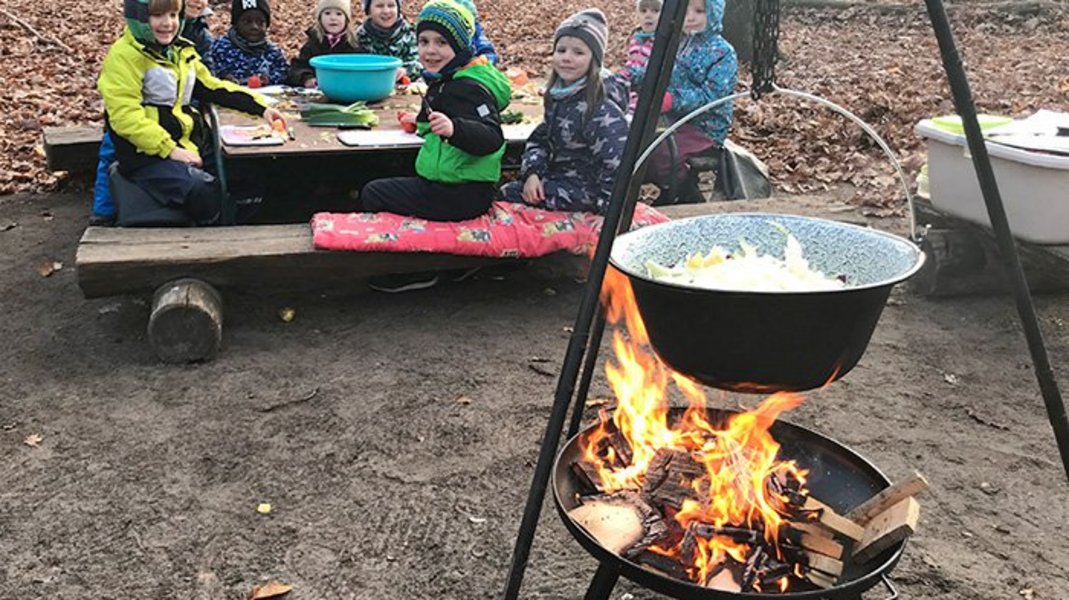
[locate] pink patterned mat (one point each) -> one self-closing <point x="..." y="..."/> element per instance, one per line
<point x="507" y="231"/>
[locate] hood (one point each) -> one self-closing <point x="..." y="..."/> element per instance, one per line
<point x="493" y="80"/>
<point x="714" y="16"/>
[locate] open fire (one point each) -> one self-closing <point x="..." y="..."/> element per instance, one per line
<point x="712" y="502"/>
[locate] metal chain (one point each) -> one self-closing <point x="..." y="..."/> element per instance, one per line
<point x="765" y="47"/>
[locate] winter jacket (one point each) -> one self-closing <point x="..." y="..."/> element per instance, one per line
<point x="400" y="43"/>
<point x="473" y="97"/>
<point x="706" y="69"/>
<point x="639" y="48"/>
<point x="149" y="97"/>
<point x="300" y="69"/>
<point x="482" y="44"/>
<point x="576" y="156"/>
<point x="196" y="30"/>
<point x="230" y="62"/>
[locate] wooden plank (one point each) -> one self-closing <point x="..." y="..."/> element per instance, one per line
<point x="113" y="261"/>
<point x="824" y="564"/>
<point x="888" y="497"/>
<point x="822" y="545"/>
<point x="72" y="149"/>
<point x="887" y="529"/>
<point x="833" y="520"/>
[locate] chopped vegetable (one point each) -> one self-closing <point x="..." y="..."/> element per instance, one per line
<point x="511" y="117"/>
<point x="748" y="271"/>
<point x="356" y="114"/>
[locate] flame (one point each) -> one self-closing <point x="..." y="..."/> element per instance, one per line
<point x="738" y="456"/>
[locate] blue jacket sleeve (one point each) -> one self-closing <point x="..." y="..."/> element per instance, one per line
<point x="280" y="67"/>
<point x="482" y="44"/>
<point x="536" y="153"/>
<point x="715" y="82"/>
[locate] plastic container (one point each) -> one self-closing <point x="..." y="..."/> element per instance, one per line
<point x="1034" y="186"/>
<point x="953" y="124"/>
<point x="348" y="78"/>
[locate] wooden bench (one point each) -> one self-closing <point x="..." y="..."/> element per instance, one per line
<point x="72" y="149"/>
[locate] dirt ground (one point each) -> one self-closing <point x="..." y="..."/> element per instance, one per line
<point x="405" y="475"/>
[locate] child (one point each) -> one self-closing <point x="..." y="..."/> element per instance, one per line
<point x="244" y="54"/>
<point x="640" y="46"/>
<point x="572" y="158"/>
<point x="387" y="33"/>
<point x="194" y="29"/>
<point x="149" y="81"/>
<point x="480" y="43"/>
<point x="331" y="34"/>
<point x="460" y="160"/>
<point x="706" y="69"/>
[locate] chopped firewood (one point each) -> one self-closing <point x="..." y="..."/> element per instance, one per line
<point x="588" y="476"/>
<point x="670" y="466"/>
<point x="735" y="534"/>
<point x="812" y="529"/>
<point x="887" y="529"/>
<point x="821" y="545"/>
<point x="616" y="525"/>
<point x="824" y="564"/>
<point x="820" y="579"/>
<point x="621" y="447"/>
<point x="666" y="565"/>
<point x="832" y="520"/>
<point x="724" y="580"/>
<point x="755" y="563"/>
<point x="908" y="487"/>
<point x="672" y="494"/>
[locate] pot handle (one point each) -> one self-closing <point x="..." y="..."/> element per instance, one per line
<point x="890" y="586"/>
<point x="812" y="98"/>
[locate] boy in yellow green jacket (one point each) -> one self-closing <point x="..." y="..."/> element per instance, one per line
<point x="149" y="81"/>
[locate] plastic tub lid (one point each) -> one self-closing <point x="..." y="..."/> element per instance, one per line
<point x="952" y="123"/>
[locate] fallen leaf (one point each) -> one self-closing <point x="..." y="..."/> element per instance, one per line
<point x="48" y="267"/>
<point x="47" y="215"/>
<point x="463" y="400"/>
<point x="271" y="589"/>
<point x="1027" y="594"/>
<point x="549" y="292"/>
<point x="8" y="226"/>
<point x="33" y="440"/>
<point x="264" y="508"/>
<point x="592" y="402"/>
<point x="476" y="520"/>
<point x="950" y="378"/>
<point x="286" y="314"/>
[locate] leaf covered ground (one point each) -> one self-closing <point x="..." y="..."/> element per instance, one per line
<point x="880" y="61"/>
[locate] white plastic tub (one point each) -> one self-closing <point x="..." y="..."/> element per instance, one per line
<point x="1034" y="185"/>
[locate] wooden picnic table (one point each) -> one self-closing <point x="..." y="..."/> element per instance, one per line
<point x="319" y="140"/>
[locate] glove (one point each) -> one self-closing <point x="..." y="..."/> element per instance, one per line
<point x="666" y="103"/>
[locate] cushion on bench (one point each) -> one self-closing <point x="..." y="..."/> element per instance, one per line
<point x="507" y="231"/>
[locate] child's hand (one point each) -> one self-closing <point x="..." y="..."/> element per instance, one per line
<point x="441" y="124"/>
<point x="194" y="8"/>
<point x="533" y="191"/>
<point x="402" y="77"/>
<point x="272" y="115"/>
<point x="188" y="157"/>
<point x="311" y="83"/>
<point x="407" y="121"/>
<point x="666" y="102"/>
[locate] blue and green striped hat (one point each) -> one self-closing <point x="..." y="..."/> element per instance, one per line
<point x="450" y="19"/>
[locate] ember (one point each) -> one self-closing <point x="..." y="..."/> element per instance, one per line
<point x="710" y="501"/>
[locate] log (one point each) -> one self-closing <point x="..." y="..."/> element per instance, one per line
<point x="887" y="529"/>
<point x="828" y="518"/>
<point x="822" y="545"/>
<point x="186" y="324"/>
<point x="908" y="487"/>
<point x="820" y="579"/>
<point x="825" y="564"/>
<point x="616" y="526"/>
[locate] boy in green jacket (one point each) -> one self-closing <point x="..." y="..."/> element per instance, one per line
<point x="460" y="161"/>
<point x="149" y="81"/>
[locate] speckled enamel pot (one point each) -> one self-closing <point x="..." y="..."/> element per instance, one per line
<point x="765" y="341"/>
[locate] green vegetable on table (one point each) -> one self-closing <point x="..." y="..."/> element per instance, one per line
<point x="357" y="114"/>
<point x="511" y="117"/>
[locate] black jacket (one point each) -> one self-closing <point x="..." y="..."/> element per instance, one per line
<point x="300" y="70"/>
<point x="461" y="99"/>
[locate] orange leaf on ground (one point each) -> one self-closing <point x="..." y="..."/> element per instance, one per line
<point x="271" y="589"/>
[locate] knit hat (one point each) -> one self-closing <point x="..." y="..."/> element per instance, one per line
<point x="450" y="19"/>
<point x="589" y="26"/>
<point x="240" y="7"/>
<point x="342" y="5"/>
<point x="136" y="14"/>
<point x="367" y="7"/>
<point x="468" y="4"/>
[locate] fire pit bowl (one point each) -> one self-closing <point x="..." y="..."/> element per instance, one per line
<point x="839" y="476"/>
<point x="764" y="341"/>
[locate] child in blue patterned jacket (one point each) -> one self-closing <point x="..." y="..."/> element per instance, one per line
<point x="706" y="69"/>
<point x="572" y="158"/>
<point x="244" y="54"/>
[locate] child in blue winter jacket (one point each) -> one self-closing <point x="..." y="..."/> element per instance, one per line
<point x="572" y="158"/>
<point x="706" y="69"/>
<point x="244" y="54"/>
<point x="479" y="42"/>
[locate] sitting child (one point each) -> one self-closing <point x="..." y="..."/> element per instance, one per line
<point x="480" y="43"/>
<point x="572" y="157"/>
<point x="244" y="54"/>
<point x="150" y="80"/>
<point x="387" y="33"/>
<point x="460" y="160"/>
<point x="194" y="29"/>
<point x="640" y="46"/>
<point x="706" y="70"/>
<point x="331" y="34"/>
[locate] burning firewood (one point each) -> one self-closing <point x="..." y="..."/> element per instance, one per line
<point x="622" y="522"/>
